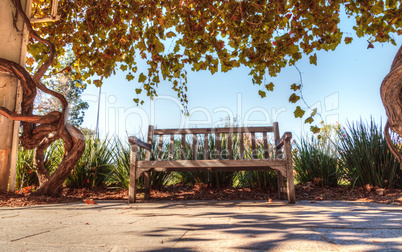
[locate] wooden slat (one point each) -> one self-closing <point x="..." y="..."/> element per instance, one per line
<point x="241" y="136"/>
<point x="218" y="146"/>
<point x="230" y="149"/>
<point x="135" y="141"/>
<point x="253" y="149"/>
<point x="187" y="164"/>
<point x="183" y="146"/>
<point x="150" y="138"/>
<point x="195" y="147"/>
<point x="213" y="130"/>
<point x="278" y="151"/>
<point x="171" y="147"/>
<point x="265" y="139"/>
<point x="160" y="146"/>
<point x="205" y="146"/>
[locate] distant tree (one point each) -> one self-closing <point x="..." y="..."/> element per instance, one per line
<point x="71" y="89"/>
<point x="171" y="36"/>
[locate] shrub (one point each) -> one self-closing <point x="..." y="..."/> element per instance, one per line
<point x="26" y="175"/>
<point x="316" y="161"/>
<point x="95" y="165"/>
<point x="366" y="156"/>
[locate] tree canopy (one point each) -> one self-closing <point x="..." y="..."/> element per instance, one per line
<point x="177" y="35"/>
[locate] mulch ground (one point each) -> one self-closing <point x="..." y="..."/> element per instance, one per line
<point x="201" y="192"/>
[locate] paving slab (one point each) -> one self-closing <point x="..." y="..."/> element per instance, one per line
<point x="202" y="226"/>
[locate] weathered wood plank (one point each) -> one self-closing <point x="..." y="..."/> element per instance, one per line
<point x="132" y="190"/>
<point x="188" y="164"/>
<point x="135" y="141"/>
<point x="278" y="151"/>
<point x="171" y="154"/>
<point x="205" y="146"/>
<point x="253" y="147"/>
<point x="160" y="146"/>
<point x="286" y="136"/>
<point x="195" y="147"/>
<point x="147" y="175"/>
<point x="213" y="130"/>
<point x="289" y="171"/>
<point x="241" y="136"/>
<point x="280" y="185"/>
<point x="149" y="141"/>
<point x="218" y="146"/>
<point x="183" y="146"/>
<point x="230" y="149"/>
<point x="265" y="139"/>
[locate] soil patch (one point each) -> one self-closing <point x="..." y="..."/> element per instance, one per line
<point x="201" y="192"/>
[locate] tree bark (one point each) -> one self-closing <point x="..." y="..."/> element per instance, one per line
<point x="38" y="132"/>
<point x="13" y="47"/>
<point x="391" y="95"/>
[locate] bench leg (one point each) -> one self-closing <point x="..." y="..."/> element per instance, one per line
<point x="290" y="187"/>
<point x="147" y="185"/>
<point x="280" y="185"/>
<point x="132" y="188"/>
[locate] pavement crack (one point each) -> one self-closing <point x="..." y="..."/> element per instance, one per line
<point x="3" y="217"/>
<point x="338" y="247"/>
<point x="181" y="237"/>
<point x="28" y="236"/>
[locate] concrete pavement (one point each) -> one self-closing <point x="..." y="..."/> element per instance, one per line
<point x="202" y="226"/>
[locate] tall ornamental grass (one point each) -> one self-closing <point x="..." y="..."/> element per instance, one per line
<point x="26" y="174"/>
<point x="365" y="155"/>
<point x="316" y="161"/>
<point x="95" y="165"/>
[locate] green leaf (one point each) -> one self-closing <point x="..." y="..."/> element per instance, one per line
<point x="295" y="87"/>
<point x="138" y="90"/>
<point x="315" y="129"/>
<point x="294" y="98"/>
<point x="299" y="112"/>
<point x="270" y="86"/>
<point x="170" y="34"/>
<point x="313" y="59"/>
<point x="123" y="67"/>
<point x="309" y="120"/>
<point x="262" y="93"/>
<point x="142" y="78"/>
<point x="136" y="100"/>
<point x="348" y="40"/>
<point x="98" y="83"/>
<point x="129" y="77"/>
<point x="314" y="112"/>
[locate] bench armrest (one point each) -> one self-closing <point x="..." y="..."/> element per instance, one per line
<point x="135" y="141"/>
<point x="286" y="137"/>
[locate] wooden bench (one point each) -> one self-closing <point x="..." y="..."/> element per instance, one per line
<point x="213" y="159"/>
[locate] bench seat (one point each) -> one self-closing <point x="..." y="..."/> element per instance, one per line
<point x="281" y="162"/>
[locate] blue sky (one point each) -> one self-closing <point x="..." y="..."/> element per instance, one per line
<point x="345" y="85"/>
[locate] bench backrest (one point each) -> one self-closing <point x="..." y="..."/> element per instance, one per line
<point x="217" y="134"/>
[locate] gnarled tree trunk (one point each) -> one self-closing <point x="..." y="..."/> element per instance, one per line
<point x="391" y="95"/>
<point x="39" y="131"/>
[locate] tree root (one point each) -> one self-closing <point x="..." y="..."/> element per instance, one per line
<point x="391" y="95"/>
<point x="39" y="131"/>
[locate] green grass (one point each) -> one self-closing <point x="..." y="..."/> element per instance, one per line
<point x="359" y="155"/>
<point x="366" y="157"/>
<point x="316" y="161"/>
